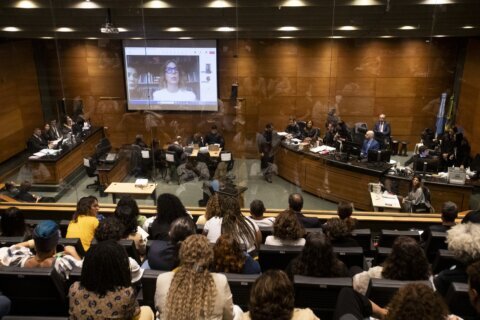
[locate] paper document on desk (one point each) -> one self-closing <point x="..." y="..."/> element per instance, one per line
<point x="391" y="202"/>
<point x="283" y="134"/>
<point x="322" y="149"/>
<point x="141" y="183"/>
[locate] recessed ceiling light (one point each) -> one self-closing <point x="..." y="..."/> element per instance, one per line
<point x="136" y="38"/>
<point x="156" y="4"/>
<point x="86" y="5"/>
<point x="26" y="4"/>
<point x="336" y="37"/>
<point x="175" y="29"/>
<point x="122" y="30"/>
<point x="46" y="37"/>
<point x="365" y="3"/>
<point x="225" y="29"/>
<point x="440" y="36"/>
<point x="347" y="28"/>
<point x="293" y="3"/>
<point x="468" y="27"/>
<point x="434" y="2"/>
<point x="11" y="29"/>
<point x="185" y="38"/>
<point x="285" y="37"/>
<point x="92" y="38"/>
<point x="288" y="28"/>
<point x="219" y="4"/>
<point x="64" y="29"/>
<point x="407" y="28"/>
<point x="386" y="37"/>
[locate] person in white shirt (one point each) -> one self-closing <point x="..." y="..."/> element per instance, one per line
<point x="287" y="231"/>
<point x="173" y="84"/>
<point x="257" y="209"/>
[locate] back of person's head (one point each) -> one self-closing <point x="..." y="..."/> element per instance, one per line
<point x="337" y="229"/>
<point x="473" y="272"/>
<point x="169" y="208"/>
<point x="295" y="202"/>
<point x="464" y="241"/>
<point x="9" y="186"/>
<point x="272" y="297"/>
<point x="180" y="229"/>
<point x="472" y="216"/>
<point x="84" y="207"/>
<point x="12" y="223"/>
<point x="228" y="255"/>
<point x="416" y="301"/>
<point x="257" y="208"/>
<point x="422" y="149"/>
<point x="287" y="226"/>
<point x="407" y="261"/>
<point x="344" y="210"/>
<point x="128" y="218"/>
<point x="129" y="201"/>
<point x="234" y="222"/>
<point x="213" y="207"/>
<point x="192" y="291"/>
<point x="25" y="186"/>
<point x="106" y="267"/>
<point x="449" y="211"/>
<point x="46" y="235"/>
<point x="109" y="229"/>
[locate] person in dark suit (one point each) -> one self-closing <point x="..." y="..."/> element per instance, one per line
<point x="449" y="214"/>
<point x="36" y="142"/>
<point x="369" y="144"/>
<point x="423" y="153"/>
<point x="197" y="139"/>
<point x="214" y="137"/>
<point x="295" y="203"/>
<point x="329" y="138"/>
<point x="382" y="130"/>
<point x="293" y="129"/>
<point x="54" y="132"/>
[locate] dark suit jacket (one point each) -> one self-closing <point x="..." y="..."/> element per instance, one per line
<point x="211" y="138"/>
<point x="54" y="134"/>
<point x="374" y="145"/>
<point x="386" y="128"/>
<point x="35" y="144"/>
<point x="308" y="222"/>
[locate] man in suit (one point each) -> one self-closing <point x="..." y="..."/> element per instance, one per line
<point x="293" y="129"/>
<point x="369" y="144"/>
<point x="54" y="132"/>
<point x="214" y="137"/>
<point x="295" y="204"/>
<point x="36" y="143"/>
<point x="382" y="130"/>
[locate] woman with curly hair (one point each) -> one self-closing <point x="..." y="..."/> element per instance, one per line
<point x="211" y="210"/>
<point x="339" y="233"/>
<point x="229" y="257"/>
<point x="271" y="297"/>
<point x="407" y="261"/>
<point x="287" y="231"/>
<point x="192" y="292"/>
<point x="169" y="208"/>
<point x="233" y="222"/>
<point x="317" y="259"/>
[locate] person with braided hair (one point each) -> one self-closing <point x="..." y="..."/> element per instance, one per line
<point x="192" y="291"/>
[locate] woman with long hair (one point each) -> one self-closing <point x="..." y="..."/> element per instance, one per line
<point x="169" y="208"/>
<point x="192" y="291"/>
<point x="105" y="288"/>
<point x="233" y="222"/>
<point x="407" y="261"/>
<point x="84" y="221"/>
<point x="416" y="198"/>
<point x="128" y="217"/>
<point x="12" y="224"/>
<point x="287" y="231"/>
<point x="317" y="259"/>
<point x="229" y="257"/>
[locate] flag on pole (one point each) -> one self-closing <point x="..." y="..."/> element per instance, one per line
<point x="441" y="116"/>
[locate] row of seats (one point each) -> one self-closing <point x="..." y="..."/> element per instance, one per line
<point x="42" y="291"/>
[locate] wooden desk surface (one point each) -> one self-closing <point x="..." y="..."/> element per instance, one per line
<point x="130" y="188"/>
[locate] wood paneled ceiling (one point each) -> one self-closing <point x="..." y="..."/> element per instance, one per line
<point x="256" y="19"/>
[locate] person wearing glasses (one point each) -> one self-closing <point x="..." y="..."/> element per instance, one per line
<point x="173" y="84"/>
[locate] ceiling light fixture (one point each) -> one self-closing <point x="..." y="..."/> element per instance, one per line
<point x="365" y="3"/>
<point x="108" y="26"/>
<point x="86" y="5"/>
<point x="336" y="37"/>
<point x="175" y="29"/>
<point x="386" y="37"/>
<point x="348" y="28"/>
<point x="225" y="29"/>
<point x="92" y="38"/>
<point x="288" y="28"/>
<point x="46" y="38"/>
<point x="64" y="29"/>
<point x="468" y="27"/>
<point x="219" y="4"/>
<point x="286" y="37"/>
<point x="185" y="38"/>
<point x="293" y="3"/>
<point x="435" y="2"/>
<point x="26" y="4"/>
<point x="156" y="4"/>
<point x="407" y="28"/>
<point x="11" y="29"/>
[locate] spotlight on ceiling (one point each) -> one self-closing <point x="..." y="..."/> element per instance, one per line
<point x="108" y="26"/>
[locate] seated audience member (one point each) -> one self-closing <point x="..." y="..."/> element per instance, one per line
<point x="464" y="241"/>
<point x="54" y="132"/>
<point x="329" y="138"/>
<point x="5" y="305"/>
<point x="36" y="142"/>
<point x="163" y="255"/>
<point x="407" y="261"/>
<point x="105" y="287"/>
<point x="139" y="141"/>
<point x="232" y="221"/>
<point x="293" y="129"/>
<point x="272" y="297"/>
<point x="295" y="203"/>
<point x="344" y="212"/>
<point x="211" y="210"/>
<point x="416" y="200"/>
<point x="310" y="132"/>
<point x="11" y="189"/>
<point x="423" y="153"/>
<point x="129" y="201"/>
<point x="339" y="233"/>
<point x="214" y="137"/>
<point x="449" y="214"/>
<point x="287" y="231"/>
<point x="25" y="195"/>
<point x="229" y="257"/>
<point x="473" y="272"/>
<point x="169" y="208"/>
<point x="12" y="224"/>
<point x="317" y="259"/>
<point x="197" y="139"/>
<point x="369" y="144"/>
<point x="128" y="217"/>
<point x="192" y="291"/>
<point x="84" y="221"/>
<point x="257" y="209"/>
<point x="112" y="229"/>
<point x="45" y="239"/>
<point x="414" y="301"/>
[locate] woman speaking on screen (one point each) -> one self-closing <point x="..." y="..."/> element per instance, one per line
<point x="173" y="84"/>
